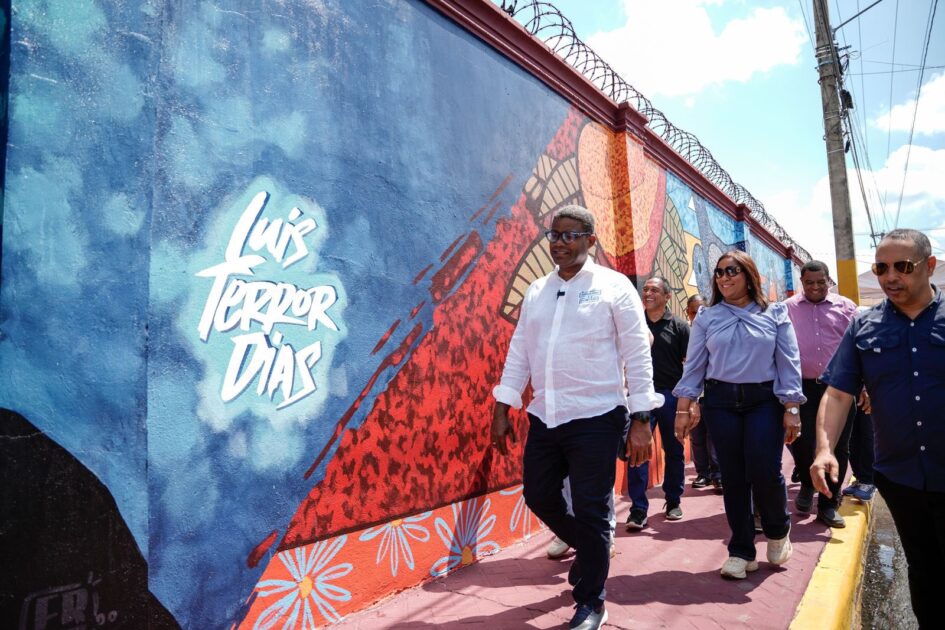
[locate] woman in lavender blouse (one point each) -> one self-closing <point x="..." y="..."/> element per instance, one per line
<point x="743" y="354"/>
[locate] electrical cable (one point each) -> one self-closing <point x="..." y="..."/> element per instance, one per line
<point x="915" y="111"/>
<point x="889" y="122"/>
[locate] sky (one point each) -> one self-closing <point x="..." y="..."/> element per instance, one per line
<point x="741" y="75"/>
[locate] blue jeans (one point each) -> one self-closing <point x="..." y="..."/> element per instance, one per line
<point x="703" y="452"/>
<point x="585" y="451"/>
<point x="861" y="447"/>
<point x="674" y="475"/>
<point x="747" y="425"/>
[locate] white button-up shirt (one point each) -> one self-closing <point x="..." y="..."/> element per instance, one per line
<point x="580" y="341"/>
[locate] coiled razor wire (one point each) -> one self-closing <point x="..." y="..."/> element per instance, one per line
<point x="544" y="21"/>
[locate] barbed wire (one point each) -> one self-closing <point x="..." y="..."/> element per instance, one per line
<point x="544" y="21"/>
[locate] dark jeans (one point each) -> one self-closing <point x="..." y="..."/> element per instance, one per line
<point x="674" y="475"/>
<point x="861" y="447"/>
<point x="747" y="424"/>
<point x="920" y="520"/>
<point x="805" y="445"/>
<point x="703" y="452"/>
<point x="584" y="450"/>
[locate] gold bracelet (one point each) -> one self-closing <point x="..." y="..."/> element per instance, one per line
<point x="682" y="412"/>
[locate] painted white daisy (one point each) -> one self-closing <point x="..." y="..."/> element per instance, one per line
<point x="466" y="542"/>
<point x="520" y="513"/>
<point x="310" y="583"/>
<point x="395" y="539"/>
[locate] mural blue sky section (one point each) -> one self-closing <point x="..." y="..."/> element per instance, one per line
<point x="714" y="231"/>
<point x="74" y="297"/>
<point x="770" y="266"/>
<point x="390" y="127"/>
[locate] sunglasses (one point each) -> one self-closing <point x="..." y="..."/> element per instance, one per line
<point x="902" y="266"/>
<point x="554" y="236"/>
<point x="731" y="271"/>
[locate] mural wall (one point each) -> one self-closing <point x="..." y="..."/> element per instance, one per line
<point x="260" y="269"/>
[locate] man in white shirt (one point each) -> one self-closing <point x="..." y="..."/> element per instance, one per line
<point x="583" y="342"/>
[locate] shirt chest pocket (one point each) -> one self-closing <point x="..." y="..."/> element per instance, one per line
<point x="594" y="319"/>
<point x="937" y="336"/>
<point x="882" y="353"/>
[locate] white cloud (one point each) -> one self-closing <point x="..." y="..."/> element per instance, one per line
<point x="687" y="54"/>
<point x="807" y="217"/>
<point x="930" y="117"/>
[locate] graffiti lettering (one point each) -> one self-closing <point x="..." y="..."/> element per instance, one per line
<point x="234" y="302"/>
<point x="65" y="607"/>
<point x="274" y="367"/>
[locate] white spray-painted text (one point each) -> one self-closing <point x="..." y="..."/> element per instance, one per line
<point x="234" y="303"/>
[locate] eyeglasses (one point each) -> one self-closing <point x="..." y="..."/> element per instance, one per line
<point x="731" y="271"/>
<point x="902" y="266"/>
<point x="554" y="236"/>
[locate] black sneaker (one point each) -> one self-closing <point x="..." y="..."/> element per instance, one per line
<point x="804" y="499"/>
<point x="700" y="482"/>
<point x="673" y="511"/>
<point x="829" y="517"/>
<point x="636" y="520"/>
<point x="588" y="618"/>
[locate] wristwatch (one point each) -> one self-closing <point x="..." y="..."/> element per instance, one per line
<point x="792" y="410"/>
<point x="641" y="416"/>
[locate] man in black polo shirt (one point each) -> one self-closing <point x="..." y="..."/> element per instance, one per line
<point x="897" y="349"/>
<point x="670" y="340"/>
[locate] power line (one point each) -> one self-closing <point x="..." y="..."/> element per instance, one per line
<point x="850" y="122"/>
<point x="810" y="36"/>
<point x="889" y="121"/>
<point x="855" y="74"/>
<point x="859" y="37"/>
<point x="915" y="111"/>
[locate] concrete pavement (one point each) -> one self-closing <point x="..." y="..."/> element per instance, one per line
<point x="666" y="576"/>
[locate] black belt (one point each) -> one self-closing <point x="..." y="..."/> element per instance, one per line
<point x="715" y="381"/>
<point x="813" y="381"/>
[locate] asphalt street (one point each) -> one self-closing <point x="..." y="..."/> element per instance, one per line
<point x="885" y="603"/>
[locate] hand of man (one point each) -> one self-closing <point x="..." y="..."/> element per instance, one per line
<point x="695" y="414"/>
<point x="825" y="464"/>
<point x="639" y="443"/>
<point x="501" y="427"/>
<point x="687" y="417"/>
<point x="864" y="402"/>
<point x="792" y="427"/>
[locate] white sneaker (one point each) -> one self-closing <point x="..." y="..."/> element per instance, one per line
<point x="557" y="548"/>
<point x="738" y="568"/>
<point x="779" y="551"/>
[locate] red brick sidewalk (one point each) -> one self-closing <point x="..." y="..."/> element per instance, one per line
<point x="666" y="576"/>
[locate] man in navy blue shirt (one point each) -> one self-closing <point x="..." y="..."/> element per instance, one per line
<point x="897" y="349"/>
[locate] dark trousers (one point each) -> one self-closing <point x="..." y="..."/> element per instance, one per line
<point x="861" y="447"/>
<point x="584" y="450"/>
<point x="747" y="424"/>
<point x="674" y="474"/>
<point x="805" y="445"/>
<point x="920" y="520"/>
<point x="703" y="452"/>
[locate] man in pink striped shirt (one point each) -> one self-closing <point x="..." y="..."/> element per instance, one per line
<point x="820" y="318"/>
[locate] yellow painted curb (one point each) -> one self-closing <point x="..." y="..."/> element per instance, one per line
<point x="831" y="599"/>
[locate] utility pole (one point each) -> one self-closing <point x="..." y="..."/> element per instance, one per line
<point x="828" y="65"/>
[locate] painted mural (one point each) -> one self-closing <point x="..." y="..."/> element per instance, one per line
<point x="771" y="267"/>
<point x="260" y="269"/>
